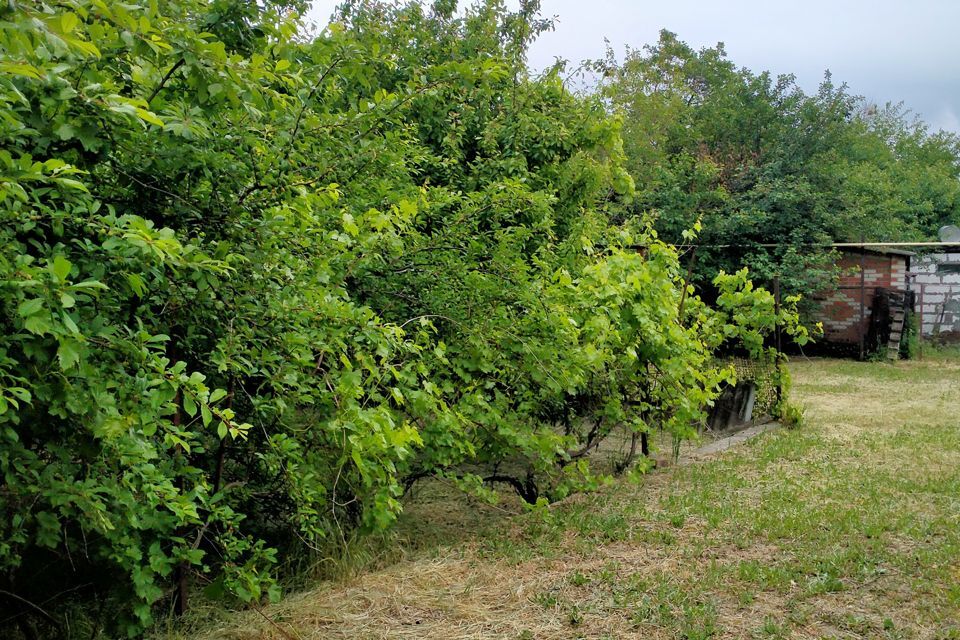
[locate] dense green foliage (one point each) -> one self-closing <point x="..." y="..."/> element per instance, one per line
<point x="254" y="286"/>
<point x="761" y="162"/>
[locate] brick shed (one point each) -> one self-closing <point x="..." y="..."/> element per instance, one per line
<point x="883" y="268"/>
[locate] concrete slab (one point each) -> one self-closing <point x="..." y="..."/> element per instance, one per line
<point x="733" y="440"/>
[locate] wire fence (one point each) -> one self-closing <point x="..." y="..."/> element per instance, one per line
<point x="763" y="375"/>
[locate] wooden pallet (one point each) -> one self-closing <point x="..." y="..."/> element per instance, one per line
<point x="896" y="333"/>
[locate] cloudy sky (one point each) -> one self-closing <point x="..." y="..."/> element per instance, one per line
<point x="885" y="50"/>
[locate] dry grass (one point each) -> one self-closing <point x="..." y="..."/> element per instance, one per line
<point x="846" y="528"/>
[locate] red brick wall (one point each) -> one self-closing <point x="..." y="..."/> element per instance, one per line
<point x="840" y="309"/>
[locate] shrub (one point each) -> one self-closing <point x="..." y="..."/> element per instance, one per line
<point x="254" y="287"/>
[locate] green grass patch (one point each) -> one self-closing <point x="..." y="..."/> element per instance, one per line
<point x="847" y="527"/>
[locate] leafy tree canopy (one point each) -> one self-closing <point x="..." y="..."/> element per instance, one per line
<point x="761" y="162"/>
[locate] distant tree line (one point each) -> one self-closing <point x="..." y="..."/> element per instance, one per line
<point x="759" y="161"/>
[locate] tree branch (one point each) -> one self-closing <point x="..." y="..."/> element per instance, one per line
<point x="313" y="92"/>
<point x="33" y="607"/>
<point x="179" y="63"/>
<point x="526" y="490"/>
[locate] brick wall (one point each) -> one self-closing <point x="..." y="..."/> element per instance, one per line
<point x="840" y="308"/>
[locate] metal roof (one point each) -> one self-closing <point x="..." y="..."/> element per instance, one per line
<point x="897" y="248"/>
<point x="872" y="248"/>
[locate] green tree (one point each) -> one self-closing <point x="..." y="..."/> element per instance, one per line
<point x="759" y="162"/>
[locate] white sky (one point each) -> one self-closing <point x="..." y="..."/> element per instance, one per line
<point x="886" y="50"/>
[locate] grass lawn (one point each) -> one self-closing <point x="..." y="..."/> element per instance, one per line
<point x="848" y="527"/>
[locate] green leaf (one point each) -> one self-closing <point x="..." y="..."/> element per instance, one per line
<point x="349" y="225"/>
<point x="70" y="183"/>
<point x="89" y="284"/>
<point x="189" y="404"/>
<point x="20" y="69"/>
<point x="149" y="116"/>
<point x="20" y="393"/>
<point x="86" y="47"/>
<point x="69" y="323"/>
<point x="65" y="131"/>
<point x="358" y="461"/>
<point x="68" y="353"/>
<point x="61" y="268"/>
<point x="136" y="283"/>
<point x="30" y="307"/>
<point x="48" y="529"/>
<point x="38" y="324"/>
<point x="68" y="22"/>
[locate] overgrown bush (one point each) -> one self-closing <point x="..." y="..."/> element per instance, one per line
<point x="254" y="286"/>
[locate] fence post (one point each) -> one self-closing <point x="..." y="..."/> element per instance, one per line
<point x="918" y="312"/>
<point x="863" y="275"/>
<point x="777" y="340"/>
